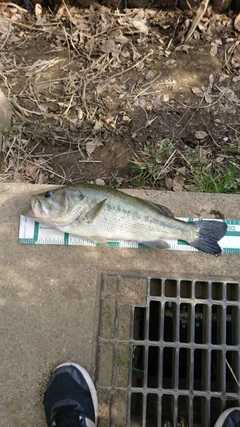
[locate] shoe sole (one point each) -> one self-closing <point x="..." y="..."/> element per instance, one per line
<point x="88" y="380"/>
<point x="224" y="415"/>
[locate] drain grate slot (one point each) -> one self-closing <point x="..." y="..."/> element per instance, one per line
<point x="168" y="350"/>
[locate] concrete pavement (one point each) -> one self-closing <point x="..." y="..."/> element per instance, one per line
<point x="49" y="296"/>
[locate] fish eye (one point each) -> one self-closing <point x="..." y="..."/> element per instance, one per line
<point x="48" y="194"/>
<point x="81" y="196"/>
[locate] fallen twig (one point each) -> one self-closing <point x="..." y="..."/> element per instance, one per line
<point x="201" y="10"/>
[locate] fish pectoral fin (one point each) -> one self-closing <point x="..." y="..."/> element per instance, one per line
<point x="162" y="209"/>
<point x="98" y="239"/>
<point x="156" y="244"/>
<point x="94" y="212"/>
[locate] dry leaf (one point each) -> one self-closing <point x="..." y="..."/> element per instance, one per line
<point x="164" y="26"/>
<point x="140" y="14"/>
<point x="79" y="113"/>
<point x="121" y="39"/>
<point x="237" y="22"/>
<point x="123" y="94"/>
<point x="5" y="113"/>
<point x="92" y="145"/>
<point x="211" y="81"/>
<point x="151" y="13"/>
<point x="125" y="53"/>
<point x="191" y="187"/>
<point x="120" y="180"/>
<point x="150" y="74"/>
<point x="169" y="183"/>
<point x="166" y="97"/>
<point x="170" y="62"/>
<point x="5" y="116"/>
<point x="41" y="179"/>
<point x="219" y="159"/>
<point x="117" y="88"/>
<point x="60" y="12"/>
<point x="40" y="161"/>
<point x="235" y="60"/>
<point x="98" y="125"/>
<point x="236" y="79"/>
<point x="178" y="182"/>
<point x="184" y="47"/>
<point x="109" y="46"/>
<point x="38" y="10"/>
<point x="201" y="27"/>
<point x="109" y="119"/>
<point x="213" y="50"/>
<point x="100" y="181"/>
<point x="4" y="26"/>
<point x="223" y="77"/>
<point x="43" y="108"/>
<point x="140" y="26"/>
<point x="157" y="102"/>
<point x="31" y="169"/>
<point x="126" y="119"/>
<point x="229" y="93"/>
<point x="182" y="170"/>
<point x="208" y="98"/>
<point x="197" y="91"/>
<point x="89" y="45"/>
<point x="200" y="134"/>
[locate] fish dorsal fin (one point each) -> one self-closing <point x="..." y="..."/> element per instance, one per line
<point x="94" y="212"/>
<point x="162" y="209"/>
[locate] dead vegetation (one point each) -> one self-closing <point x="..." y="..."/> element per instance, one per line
<point x="120" y="97"/>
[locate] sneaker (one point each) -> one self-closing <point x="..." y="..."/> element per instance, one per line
<point x="229" y="418"/>
<point x="70" y="399"/>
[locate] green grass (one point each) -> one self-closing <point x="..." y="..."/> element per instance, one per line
<point x="106" y="310"/>
<point x="215" y="181"/>
<point x="149" y="163"/>
<point x="124" y="361"/>
<point x="203" y="172"/>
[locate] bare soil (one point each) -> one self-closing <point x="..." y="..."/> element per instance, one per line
<point x="119" y="98"/>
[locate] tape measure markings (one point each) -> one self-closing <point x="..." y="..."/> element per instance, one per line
<point x="31" y="232"/>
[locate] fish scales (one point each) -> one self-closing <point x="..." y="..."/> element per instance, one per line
<point x="133" y="219"/>
<point x="102" y="214"/>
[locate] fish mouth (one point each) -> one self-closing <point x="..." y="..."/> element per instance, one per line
<point x="29" y="213"/>
<point x="37" y="210"/>
<point x="41" y="212"/>
<point x="37" y="207"/>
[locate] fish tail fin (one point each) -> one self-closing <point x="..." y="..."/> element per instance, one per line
<point x="208" y="234"/>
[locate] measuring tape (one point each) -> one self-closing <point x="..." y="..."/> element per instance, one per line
<point x="31" y="233"/>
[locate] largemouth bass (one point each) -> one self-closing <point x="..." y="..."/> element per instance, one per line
<point x="102" y="214"/>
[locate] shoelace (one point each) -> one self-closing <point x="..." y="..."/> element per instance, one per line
<point x="68" y="417"/>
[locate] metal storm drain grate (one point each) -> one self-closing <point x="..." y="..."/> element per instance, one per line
<point x="168" y="350"/>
